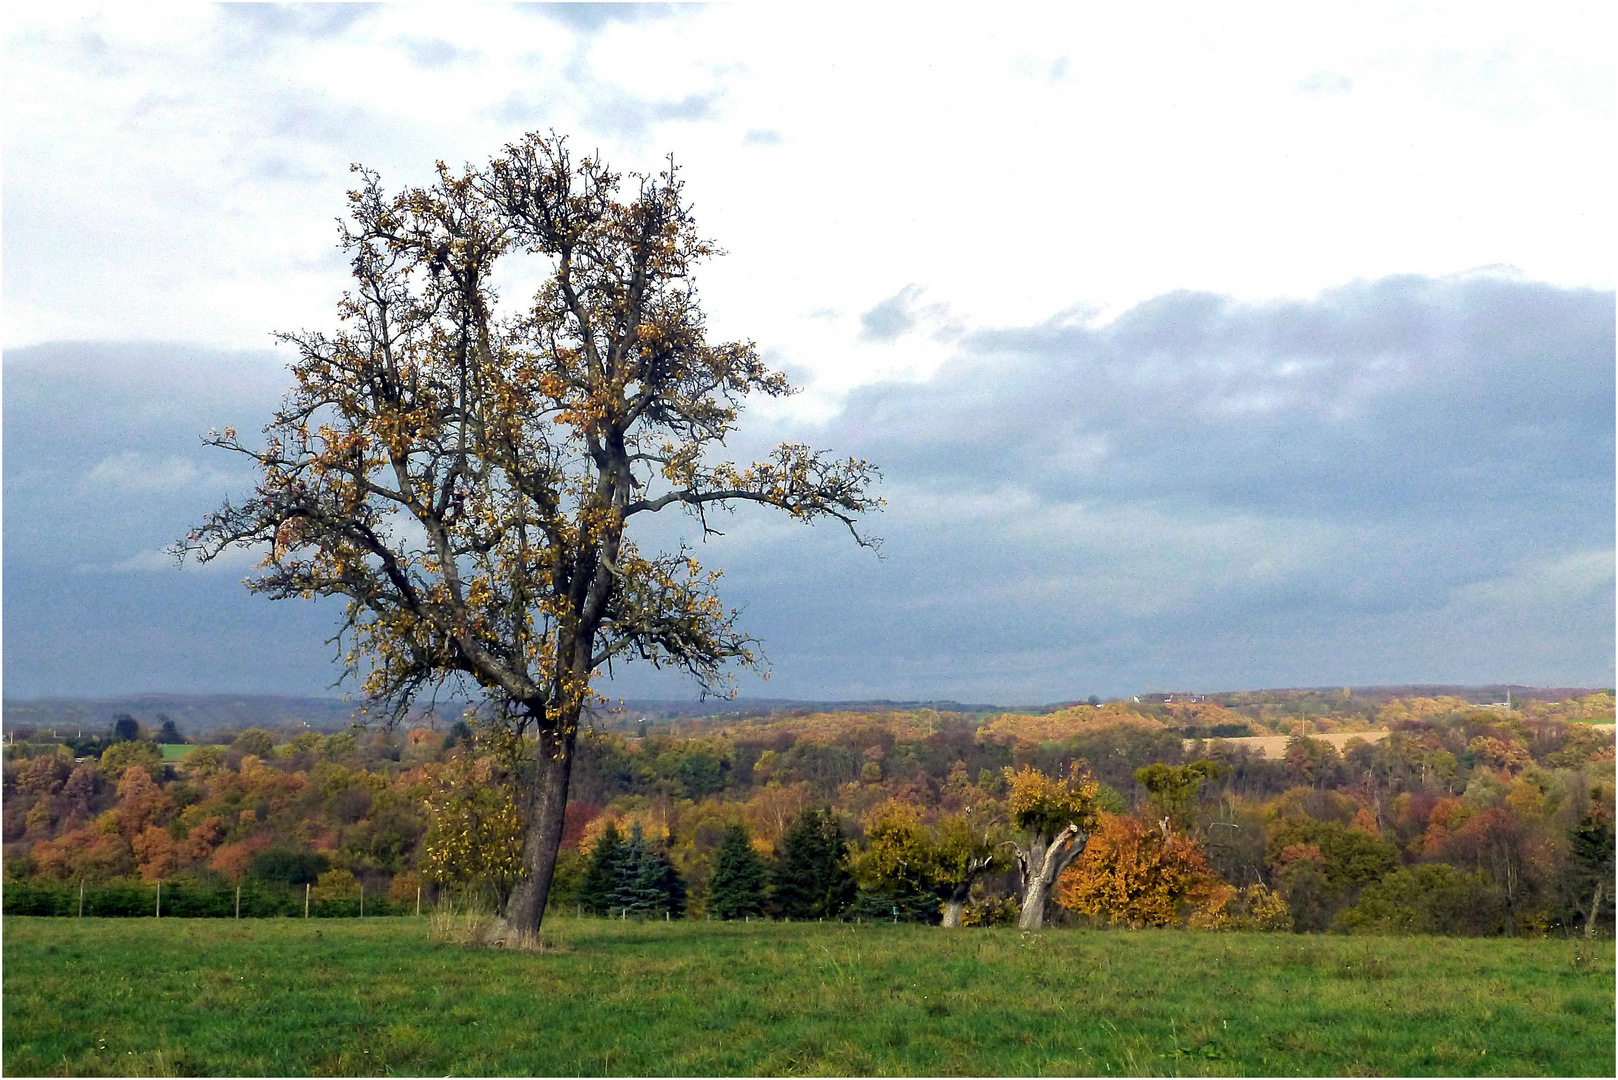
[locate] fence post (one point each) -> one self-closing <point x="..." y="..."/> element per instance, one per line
<point x="81" y="898"/>
<point x="306" y="899"/>
<point x="238" y="899"/>
<point x="159" y="898"/>
<point x="418" y="899"/>
<point x="362" y="900"/>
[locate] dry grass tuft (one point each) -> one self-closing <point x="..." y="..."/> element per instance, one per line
<point x="470" y="922"/>
<point x="459" y="922"/>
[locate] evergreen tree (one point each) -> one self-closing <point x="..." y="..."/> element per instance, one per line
<point x="647" y="884"/>
<point x="903" y="903"/>
<point x="812" y="878"/>
<point x="737" y="886"/>
<point x="596" y="890"/>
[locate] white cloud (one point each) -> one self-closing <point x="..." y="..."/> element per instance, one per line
<point x="1547" y="584"/>
<point x="233" y="561"/>
<point x="131" y="471"/>
<point x="175" y="175"/>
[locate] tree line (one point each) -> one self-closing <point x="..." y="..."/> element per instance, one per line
<point x="1460" y="821"/>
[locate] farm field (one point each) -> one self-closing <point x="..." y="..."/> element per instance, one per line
<point x="375" y="997"/>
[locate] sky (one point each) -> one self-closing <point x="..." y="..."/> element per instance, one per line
<point x="1200" y="349"/>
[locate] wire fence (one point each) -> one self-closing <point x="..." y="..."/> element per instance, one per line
<point x="193" y="900"/>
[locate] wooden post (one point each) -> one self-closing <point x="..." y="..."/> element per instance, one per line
<point x="362" y="901"/>
<point x="160" y="898"/>
<point x="81" y="898"/>
<point x="306" y="899"/>
<point x="418" y="899"/>
<point x="238" y="900"/>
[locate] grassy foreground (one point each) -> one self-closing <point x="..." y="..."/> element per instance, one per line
<point x="285" y="996"/>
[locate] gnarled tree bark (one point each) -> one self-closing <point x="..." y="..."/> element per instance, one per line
<point x="1039" y="863"/>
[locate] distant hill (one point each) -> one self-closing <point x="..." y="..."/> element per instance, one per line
<point x="195" y="714"/>
<point x="1478" y="695"/>
<point x="626" y="714"/>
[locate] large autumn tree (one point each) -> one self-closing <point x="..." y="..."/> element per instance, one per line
<point x="466" y="478"/>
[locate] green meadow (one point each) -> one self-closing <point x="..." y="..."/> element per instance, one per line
<point x="378" y="997"/>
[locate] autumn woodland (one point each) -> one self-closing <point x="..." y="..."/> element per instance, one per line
<point x="1435" y="816"/>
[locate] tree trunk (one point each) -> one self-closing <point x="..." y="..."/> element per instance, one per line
<point x="952" y="912"/>
<point x="1041" y="864"/>
<point x="1035" y="897"/>
<point x="542" y="838"/>
<point x="1595" y="906"/>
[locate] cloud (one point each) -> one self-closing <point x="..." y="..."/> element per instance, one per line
<point x="257" y="23"/>
<point x="627" y="116"/>
<point x="433" y="54"/>
<point x="761" y="137"/>
<point x="1325" y="83"/>
<point x="892" y="318"/>
<point x="1546" y="583"/>
<point x="1222" y="494"/>
<point x="898" y="315"/>
<point x="593" y="18"/>
<point x="130" y="471"/>
<point x="1401" y="480"/>
<point x="232" y="562"/>
<point x="1399" y="394"/>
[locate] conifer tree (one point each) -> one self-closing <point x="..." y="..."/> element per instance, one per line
<point x="812" y="878"/>
<point x="647" y="883"/>
<point x="737" y="886"/>
<point x="596" y="891"/>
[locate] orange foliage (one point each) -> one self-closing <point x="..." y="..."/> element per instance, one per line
<point x="141" y="801"/>
<point x="231" y="860"/>
<point x="1365" y="821"/>
<point x="1414" y="709"/>
<point x="835" y="727"/>
<point x="203" y="837"/>
<point x="1293" y="853"/>
<point x="1206" y="714"/>
<point x="1014" y="729"/>
<point x="402" y="890"/>
<point x="155" y="854"/>
<point x="1598" y="707"/>
<point x="1132" y="874"/>
<point x="1500" y="753"/>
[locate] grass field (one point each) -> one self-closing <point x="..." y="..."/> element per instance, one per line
<point x="375" y="997"/>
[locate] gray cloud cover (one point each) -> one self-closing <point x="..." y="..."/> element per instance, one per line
<point x="1400" y="480"/>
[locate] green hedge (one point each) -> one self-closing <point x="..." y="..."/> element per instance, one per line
<point x="182" y="900"/>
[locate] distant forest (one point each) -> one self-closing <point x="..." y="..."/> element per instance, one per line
<point x="200" y="716"/>
<point x="1453" y="814"/>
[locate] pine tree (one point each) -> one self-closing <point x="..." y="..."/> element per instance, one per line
<point x="904" y="903"/>
<point x="737" y="886"/>
<point x="596" y="891"/>
<point x="647" y="884"/>
<point x="812" y="879"/>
